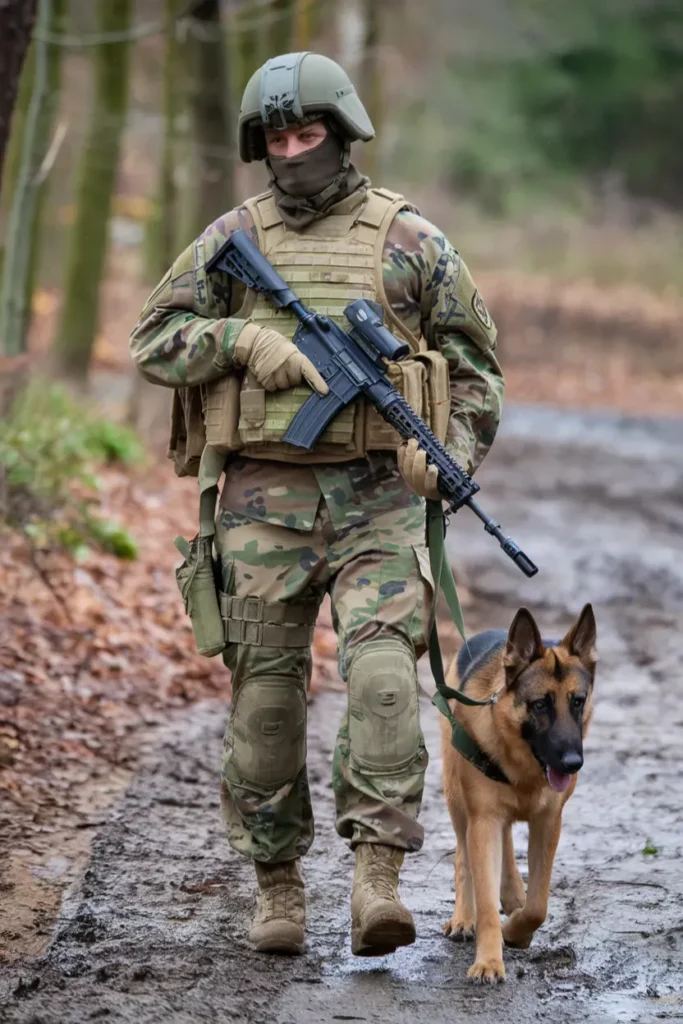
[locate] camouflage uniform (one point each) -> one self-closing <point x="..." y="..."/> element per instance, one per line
<point x="292" y="532"/>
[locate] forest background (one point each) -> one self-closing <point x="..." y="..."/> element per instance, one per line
<point x="545" y="139"/>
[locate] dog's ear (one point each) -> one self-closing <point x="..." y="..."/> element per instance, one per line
<point x="581" y="638"/>
<point x="523" y="646"/>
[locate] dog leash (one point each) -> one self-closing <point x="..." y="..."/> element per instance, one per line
<point x="444" y="582"/>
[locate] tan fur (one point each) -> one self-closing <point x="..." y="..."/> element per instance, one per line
<point x="483" y="811"/>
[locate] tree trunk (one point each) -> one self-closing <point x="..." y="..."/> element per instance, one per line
<point x="350" y="26"/>
<point x="16" y="22"/>
<point x="208" y="83"/>
<point x="51" y="135"/>
<point x="306" y="19"/>
<point x="96" y="181"/>
<point x="371" y="82"/>
<point x="34" y="126"/>
<point x="16" y="132"/>
<point x="244" y="34"/>
<point x="279" y="33"/>
<point x="26" y="177"/>
<point x="162" y="233"/>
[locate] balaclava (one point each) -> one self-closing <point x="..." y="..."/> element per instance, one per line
<point x="307" y="185"/>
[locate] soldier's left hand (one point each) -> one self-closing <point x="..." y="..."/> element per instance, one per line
<point x="412" y="465"/>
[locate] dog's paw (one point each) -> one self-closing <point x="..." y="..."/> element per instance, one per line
<point x="490" y="972"/>
<point x="517" y="939"/>
<point x="458" y="931"/>
<point x="516" y="931"/>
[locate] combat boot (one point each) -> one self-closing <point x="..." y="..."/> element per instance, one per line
<point x="278" y="925"/>
<point x="379" y="921"/>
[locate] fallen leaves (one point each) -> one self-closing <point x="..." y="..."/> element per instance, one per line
<point x="93" y="652"/>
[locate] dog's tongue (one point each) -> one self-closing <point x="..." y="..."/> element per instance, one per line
<point x="559" y="781"/>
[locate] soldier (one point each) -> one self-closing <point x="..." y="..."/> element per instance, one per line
<point x="345" y="519"/>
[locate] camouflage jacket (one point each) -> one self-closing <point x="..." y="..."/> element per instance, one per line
<point x="186" y="335"/>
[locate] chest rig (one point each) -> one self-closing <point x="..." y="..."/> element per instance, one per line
<point x="330" y="263"/>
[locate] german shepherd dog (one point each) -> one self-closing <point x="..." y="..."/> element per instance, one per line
<point x="534" y="734"/>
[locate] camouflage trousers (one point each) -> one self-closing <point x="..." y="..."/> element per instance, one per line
<point x="377" y="575"/>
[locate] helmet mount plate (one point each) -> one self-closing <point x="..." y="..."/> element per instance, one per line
<point x="280" y="104"/>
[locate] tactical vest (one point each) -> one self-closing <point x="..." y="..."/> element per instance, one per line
<point x="330" y="263"/>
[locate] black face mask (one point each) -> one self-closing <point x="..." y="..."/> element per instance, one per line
<point x="309" y="173"/>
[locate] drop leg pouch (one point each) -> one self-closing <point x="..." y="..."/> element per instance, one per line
<point x="197" y="582"/>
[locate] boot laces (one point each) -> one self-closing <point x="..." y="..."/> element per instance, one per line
<point x="280" y="901"/>
<point x="381" y="873"/>
<point x="281" y="893"/>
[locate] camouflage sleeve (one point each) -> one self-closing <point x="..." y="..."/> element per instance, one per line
<point x="186" y="333"/>
<point x="431" y="290"/>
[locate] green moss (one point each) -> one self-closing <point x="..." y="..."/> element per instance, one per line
<point x="51" y="448"/>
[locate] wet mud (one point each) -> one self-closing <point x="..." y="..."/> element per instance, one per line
<point x="154" y="929"/>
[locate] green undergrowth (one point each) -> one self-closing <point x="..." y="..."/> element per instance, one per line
<point x="52" y="447"/>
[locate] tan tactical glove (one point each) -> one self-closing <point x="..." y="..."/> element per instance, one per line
<point x="276" y="363"/>
<point x="412" y="465"/>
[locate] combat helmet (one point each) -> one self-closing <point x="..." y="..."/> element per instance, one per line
<point x="295" y="88"/>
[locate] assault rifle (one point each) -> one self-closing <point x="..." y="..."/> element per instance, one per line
<point x="351" y="364"/>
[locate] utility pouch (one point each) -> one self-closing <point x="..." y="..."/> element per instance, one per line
<point x="199" y="578"/>
<point x="221" y="406"/>
<point x="437" y="393"/>
<point x="198" y="585"/>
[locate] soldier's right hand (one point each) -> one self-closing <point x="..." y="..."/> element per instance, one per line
<point x="276" y="362"/>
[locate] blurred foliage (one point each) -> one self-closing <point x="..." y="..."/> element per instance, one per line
<point x="601" y="105"/>
<point x="51" y="447"/>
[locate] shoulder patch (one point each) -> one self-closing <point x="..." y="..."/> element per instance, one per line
<point x="481" y="312"/>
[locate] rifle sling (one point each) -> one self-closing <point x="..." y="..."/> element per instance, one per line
<point x="210" y="468"/>
<point x="444" y="582"/>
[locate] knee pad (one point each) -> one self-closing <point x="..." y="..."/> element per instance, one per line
<point x="384" y="718"/>
<point x="266" y="741"/>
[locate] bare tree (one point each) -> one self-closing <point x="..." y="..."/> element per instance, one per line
<point x="245" y="53"/>
<point x="30" y="154"/>
<point x="306" y="20"/>
<point x="96" y="180"/>
<point x="162" y="233"/>
<point x="371" y="79"/>
<point x="208" y="84"/>
<point x="16" y="22"/>
<point x="279" y="25"/>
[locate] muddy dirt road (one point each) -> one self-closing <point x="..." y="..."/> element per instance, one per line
<point x="155" y="930"/>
